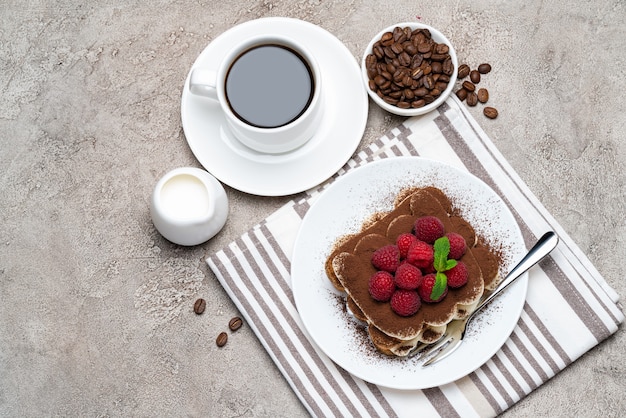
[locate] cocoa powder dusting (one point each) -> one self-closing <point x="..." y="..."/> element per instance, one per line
<point x="489" y="263"/>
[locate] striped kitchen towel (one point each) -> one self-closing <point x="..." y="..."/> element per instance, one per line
<point x="569" y="307"/>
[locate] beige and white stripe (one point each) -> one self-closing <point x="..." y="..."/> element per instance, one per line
<point x="582" y="308"/>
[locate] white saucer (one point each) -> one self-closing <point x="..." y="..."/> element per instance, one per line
<point x="339" y="134"/>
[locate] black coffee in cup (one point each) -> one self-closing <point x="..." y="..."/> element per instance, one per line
<point x="269" y="86"/>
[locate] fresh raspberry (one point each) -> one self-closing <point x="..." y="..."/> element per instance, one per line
<point x="381" y="286"/>
<point x="421" y="255"/>
<point x="428" y="229"/>
<point x="457" y="275"/>
<point x="386" y="258"/>
<point x="426" y="289"/>
<point x="404" y="242"/>
<point x="457" y="245"/>
<point x="408" y="277"/>
<point x="405" y="302"/>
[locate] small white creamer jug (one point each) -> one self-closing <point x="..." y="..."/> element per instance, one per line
<point x="189" y="206"/>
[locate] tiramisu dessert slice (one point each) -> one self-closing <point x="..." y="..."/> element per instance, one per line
<point x="411" y="271"/>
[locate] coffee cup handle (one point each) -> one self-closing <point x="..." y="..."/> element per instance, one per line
<point x="203" y="83"/>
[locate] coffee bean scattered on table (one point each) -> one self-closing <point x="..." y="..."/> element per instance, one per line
<point x="469" y="92"/>
<point x="235" y="323"/>
<point x="484" y="68"/>
<point x="469" y="86"/>
<point x="199" y="306"/>
<point x="463" y="72"/>
<point x="490" y="112"/>
<point x="472" y="99"/>
<point x="483" y="95"/>
<point x="475" y="76"/>
<point x="221" y="339"/>
<point x="407" y="68"/>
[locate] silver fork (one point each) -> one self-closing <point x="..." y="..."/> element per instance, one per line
<point x="455" y="331"/>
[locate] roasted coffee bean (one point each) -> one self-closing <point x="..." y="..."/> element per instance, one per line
<point x="469" y="86"/>
<point x="483" y="95"/>
<point x="417" y="73"/>
<point x="221" y="339"/>
<point x="423" y="47"/>
<point x="475" y="76"/>
<point x="404" y="59"/>
<point x="397" y="48"/>
<point x="429" y="98"/>
<point x="484" y="68"/>
<point x="463" y="72"/>
<point x="418" y="103"/>
<point x="378" y="52"/>
<point x="386" y="38"/>
<point x="410" y="49"/>
<point x="235" y="323"/>
<point x="490" y="112"/>
<point x="420" y="92"/>
<point x="397" y="33"/>
<point x="199" y="306"/>
<point x="472" y="99"/>
<point x="448" y="67"/>
<point x="417" y="60"/>
<point x="441" y="86"/>
<point x="442" y="49"/>
<point x="461" y="94"/>
<point x="429" y="83"/>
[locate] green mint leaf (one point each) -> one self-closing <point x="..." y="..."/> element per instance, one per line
<point x="442" y="249"/>
<point x="441" y="283"/>
<point x="450" y="264"/>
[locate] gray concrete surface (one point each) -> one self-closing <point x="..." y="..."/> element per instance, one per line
<point x="96" y="307"/>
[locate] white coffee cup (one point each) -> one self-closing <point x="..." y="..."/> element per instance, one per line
<point x="269" y="88"/>
<point x="189" y="206"/>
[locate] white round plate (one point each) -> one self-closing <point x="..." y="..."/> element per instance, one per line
<point x="341" y="210"/>
<point x="339" y="134"/>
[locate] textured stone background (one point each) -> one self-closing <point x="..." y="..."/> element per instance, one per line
<point x="96" y="307"/>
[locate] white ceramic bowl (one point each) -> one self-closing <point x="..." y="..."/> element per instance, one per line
<point x="437" y="37"/>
